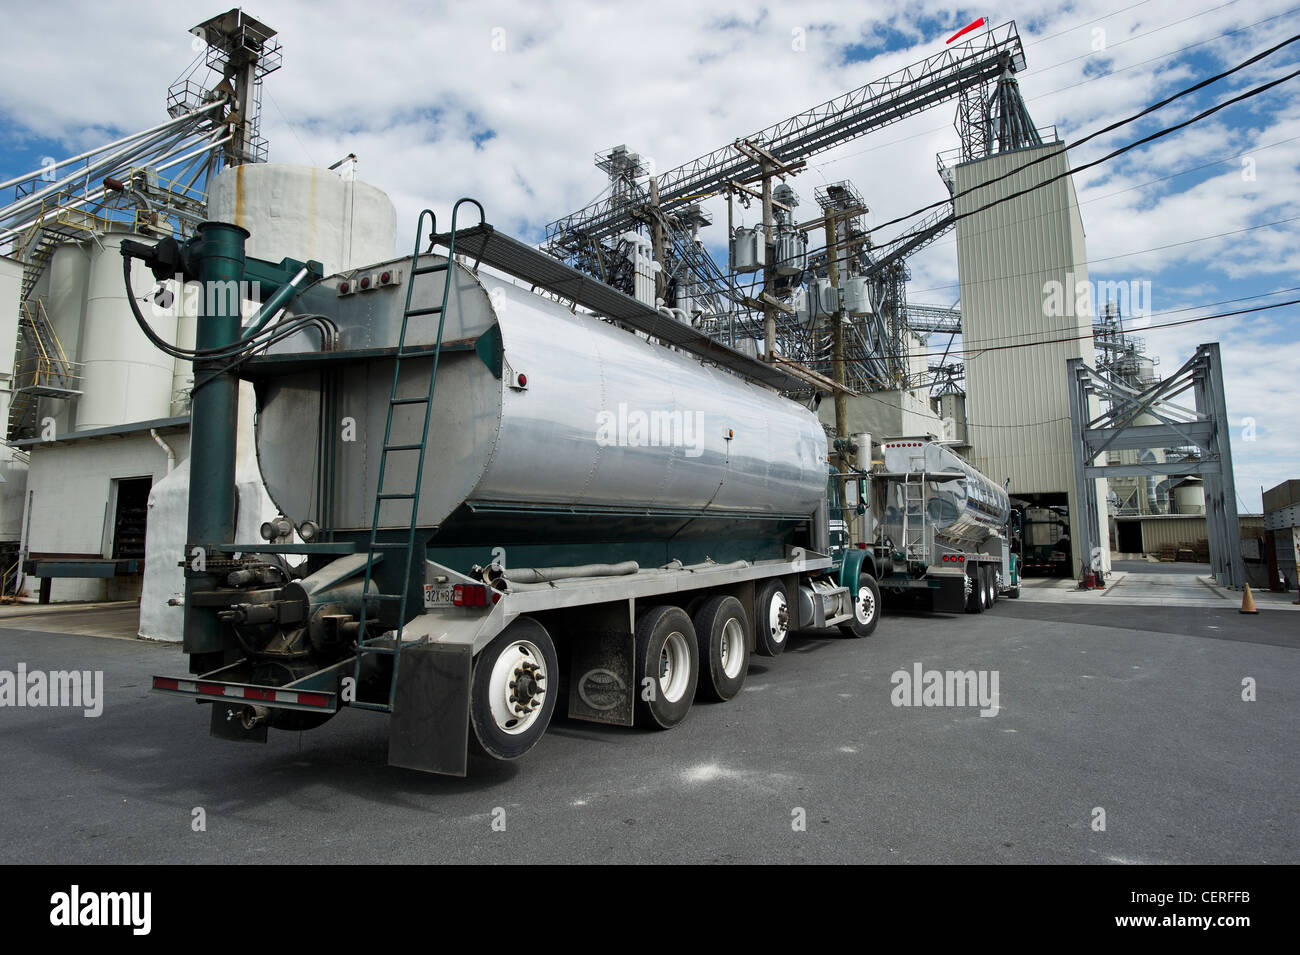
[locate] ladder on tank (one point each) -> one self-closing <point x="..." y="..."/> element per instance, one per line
<point x="914" y="529"/>
<point x="403" y="548"/>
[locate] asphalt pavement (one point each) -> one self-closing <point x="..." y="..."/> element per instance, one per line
<point x="1121" y="736"/>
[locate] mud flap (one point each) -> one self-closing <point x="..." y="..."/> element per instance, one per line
<point x="602" y="678"/>
<point x="951" y="595"/>
<point x="430" y="723"/>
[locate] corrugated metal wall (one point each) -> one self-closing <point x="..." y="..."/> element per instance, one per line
<point x="1158" y="531"/>
<point x="1017" y="398"/>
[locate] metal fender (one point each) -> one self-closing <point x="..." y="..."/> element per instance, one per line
<point x="853" y="564"/>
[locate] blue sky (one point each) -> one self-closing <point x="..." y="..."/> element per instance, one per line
<point x="436" y="109"/>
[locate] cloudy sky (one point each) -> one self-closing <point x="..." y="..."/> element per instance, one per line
<point x="508" y="102"/>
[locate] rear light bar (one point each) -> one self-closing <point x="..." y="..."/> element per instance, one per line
<point x="955" y="558"/>
<point x="470" y="595"/>
<point x="266" y="695"/>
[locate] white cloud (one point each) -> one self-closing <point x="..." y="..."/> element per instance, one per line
<point x="407" y="87"/>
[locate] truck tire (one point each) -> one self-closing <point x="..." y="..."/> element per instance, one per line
<point x="722" y="631"/>
<point x="512" y="691"/>
<point x="667" y="667"/>
<point x="990" y="586"/>
<point x="866" y="608"/>
<point x="771" y="619"/>
<point x="975" y="600"/>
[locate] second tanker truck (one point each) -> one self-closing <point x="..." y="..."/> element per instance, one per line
<point x="943" y="534"/>
<point x="502" y="505"/>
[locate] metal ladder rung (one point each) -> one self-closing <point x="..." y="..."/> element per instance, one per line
<point x="402" y="351"/>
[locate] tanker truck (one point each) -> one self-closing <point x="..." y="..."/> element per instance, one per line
<point x="494" y="503"/>
<point x="945" y="534"/>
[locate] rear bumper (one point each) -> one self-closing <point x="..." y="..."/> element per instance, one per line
<point x="316" y="693"/>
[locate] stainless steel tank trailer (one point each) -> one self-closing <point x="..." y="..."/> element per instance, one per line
<point x="575" y="514"/>
<point x="947" y="537"/>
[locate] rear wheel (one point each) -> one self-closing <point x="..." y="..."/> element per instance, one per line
<point x="667" y="667"/>
<point x="722" y="631"/>
<point x="771" y="619"/>
<point x="866" y="608"/>
<point x="511" y="698"/>
<point x="990" y="585"/>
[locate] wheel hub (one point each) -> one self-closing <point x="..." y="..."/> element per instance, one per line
<point x="517" y="687"/>
<point x="526" y="688"/>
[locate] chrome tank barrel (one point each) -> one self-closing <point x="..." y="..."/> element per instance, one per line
<point x="969" y="508"/>
<point x="535" y="407"/>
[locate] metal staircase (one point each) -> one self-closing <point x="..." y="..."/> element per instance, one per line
<point x="60" y="219"/>
<point x="391" y="547"/>
<point x="46" y="372"/>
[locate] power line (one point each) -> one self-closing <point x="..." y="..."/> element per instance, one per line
<point x="1073" y="86"/>
<point x="1113" y="126"/>
<point x="979" y="351"/>
<point x="975" y="345"/>
<point x="1107" y="258"/>
<point x="1130" y="39"/>
<point x="1104" y="16"/>
<point x="1110" y="195"/>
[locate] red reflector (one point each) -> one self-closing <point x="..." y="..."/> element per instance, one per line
<point x="365" y="282"/>
<point x="215" y="689"/>
<point x="343" y="287"/>
<point x="253" y="693"/>
<point x="496" y="595"/>
<point x="163" y="683"/>
<point x="385" y="277"/>
<point x="313" y="699"/>
<point x="469" y="595"/>
<point x="523" y="381"/>
<point x="961" y="560"/>
<point x="862" y="545"/>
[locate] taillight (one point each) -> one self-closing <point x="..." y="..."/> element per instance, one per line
<point x="469" y="595"/>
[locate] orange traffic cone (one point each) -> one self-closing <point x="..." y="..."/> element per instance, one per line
<point x="1247" y="601"/>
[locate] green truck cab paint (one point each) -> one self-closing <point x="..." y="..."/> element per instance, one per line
<point x="849" y="560"/>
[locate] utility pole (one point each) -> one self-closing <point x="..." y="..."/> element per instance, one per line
<point x="837" y="332"/>
<point x="769" y="267"/>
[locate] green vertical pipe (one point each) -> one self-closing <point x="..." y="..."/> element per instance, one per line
<point x="218" y="257"/>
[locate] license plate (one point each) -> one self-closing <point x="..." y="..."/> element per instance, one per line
<point x="437" y="596"/>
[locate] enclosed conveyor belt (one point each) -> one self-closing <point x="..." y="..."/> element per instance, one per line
<point x="486" y="245"/>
